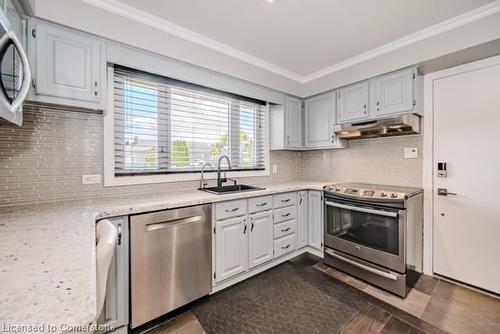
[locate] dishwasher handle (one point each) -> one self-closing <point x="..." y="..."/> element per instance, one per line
<point x="173" y="222"/>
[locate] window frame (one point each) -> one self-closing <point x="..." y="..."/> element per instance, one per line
<point x="110" y="179"/>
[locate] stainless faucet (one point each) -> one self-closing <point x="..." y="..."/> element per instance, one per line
<point x="202" y="180"/>
<point x="224" y="179"/>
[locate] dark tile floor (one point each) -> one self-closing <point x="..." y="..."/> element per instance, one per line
<point x="375" y="317"/>
<point x="433" y="304"/>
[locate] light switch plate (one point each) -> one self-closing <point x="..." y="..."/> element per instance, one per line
<point x="275" y="169"/>
<point x="411" y="152"/>
<point x="91" y="179"/>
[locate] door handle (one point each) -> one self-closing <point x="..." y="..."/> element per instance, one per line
<point x="444" y="192"/>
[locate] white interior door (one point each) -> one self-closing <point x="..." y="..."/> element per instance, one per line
<point x="466" y="107"/>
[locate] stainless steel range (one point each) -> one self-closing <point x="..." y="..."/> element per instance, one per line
<point x="374" y="232"/>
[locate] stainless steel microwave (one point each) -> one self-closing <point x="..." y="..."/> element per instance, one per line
<point x="15" y="75"/>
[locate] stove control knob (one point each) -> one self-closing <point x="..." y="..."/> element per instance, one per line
<point x="383" y="194"/>
<point x="394" y="195"/>
<point x="337" y="189"/>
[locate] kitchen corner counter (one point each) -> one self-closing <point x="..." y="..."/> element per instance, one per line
<point x="47" y="253"/>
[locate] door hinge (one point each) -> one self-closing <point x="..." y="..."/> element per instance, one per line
<point x="414" y="103"/>
<point x="414" y="75"/>
<point x="33" y="82"/>
<point x="33" y="32"/>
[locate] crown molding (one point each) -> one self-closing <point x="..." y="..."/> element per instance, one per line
<point x="450" y="24"/>
<point x="153" y="21"/>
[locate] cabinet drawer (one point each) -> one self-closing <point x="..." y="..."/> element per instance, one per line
<point x="285" y="228"/>
<point x="262" y="203"/>
<point x="230" y="209"/>
<point x="285" y="245"/>
<point x="283" y="214"/>
<point x="286" y="199"/>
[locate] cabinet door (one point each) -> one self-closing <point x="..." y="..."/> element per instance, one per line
<point x="315" y="219"/>
<point x="66" y="63"/>
<point x="260" y="243"/>
<point x="319" y="121"/>
<point x="293" y="123"/>
<point x="394" y="93"/>
<point x="352" y="102"/>
<point x="302" y="220"/>
<point x="231" y="247"/>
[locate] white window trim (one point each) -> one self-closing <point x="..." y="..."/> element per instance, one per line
<point x="109" y="153"/>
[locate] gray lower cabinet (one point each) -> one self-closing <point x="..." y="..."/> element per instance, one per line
<point x="67" y="65"/>
<point x="260" y="238"/>
<point x="315" y="219"/>
<point x="302" y="218"/>
<point x="252" y="232"/>
<point x="231" y="247"/>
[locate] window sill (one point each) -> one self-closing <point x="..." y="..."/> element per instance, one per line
<point x="112" y="180"/>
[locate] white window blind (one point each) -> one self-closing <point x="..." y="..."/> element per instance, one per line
<point x="164" y="125"/>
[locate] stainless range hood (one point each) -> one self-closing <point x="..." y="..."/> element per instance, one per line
<point x="385" y="127"/>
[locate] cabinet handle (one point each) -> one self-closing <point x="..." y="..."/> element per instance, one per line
<point x="364" y="108"/>
<point x="262" y="204"/>
<point x="378" y="105"/>
<point x="251" y="228"/>
<point x="245" y="229"/>
<point x="232" y="210"/>
<point x="286" y="230"/>
<point x="286" y="215"/>
<point x="285" y="200"/>
<point x="285" y="247"/>
<point x="96" y="90"/>
<point x="300" y="200"/>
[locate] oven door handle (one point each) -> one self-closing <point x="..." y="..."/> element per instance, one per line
<point x="366" y="210"/>
<point x="362" y="266"/>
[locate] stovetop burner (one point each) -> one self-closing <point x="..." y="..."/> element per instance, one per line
<point x="371" y="191"/>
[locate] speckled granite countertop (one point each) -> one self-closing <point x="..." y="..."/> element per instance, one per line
<point x="47" y="254"/>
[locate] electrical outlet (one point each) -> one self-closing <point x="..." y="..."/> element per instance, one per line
<point x="91" y="179"/>
<point x="275" y="169"/>
<point x="411" y="152"/>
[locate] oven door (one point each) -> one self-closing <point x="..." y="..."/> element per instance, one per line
<point x="370" y="232"/>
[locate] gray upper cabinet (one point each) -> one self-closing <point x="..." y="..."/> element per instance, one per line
<point x="68" y="65"/>
<point x="319" y="120"/>
<point x="352" y="102"/>
<point x="293" y="123"/>
<point x="394" y="92"/>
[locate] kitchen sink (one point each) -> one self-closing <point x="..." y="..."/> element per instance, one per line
<point x="230" y="189"/>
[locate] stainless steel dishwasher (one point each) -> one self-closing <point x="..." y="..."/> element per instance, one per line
<point x="170" y="260"/>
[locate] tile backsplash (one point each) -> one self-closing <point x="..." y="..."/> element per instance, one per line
<point x="44" y="160"/>
<point x="377" y="160"/>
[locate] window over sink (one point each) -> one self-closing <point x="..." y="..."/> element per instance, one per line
<point x="165" y="129"/>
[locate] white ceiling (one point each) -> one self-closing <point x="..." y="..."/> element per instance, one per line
<point x="302" y="37"/>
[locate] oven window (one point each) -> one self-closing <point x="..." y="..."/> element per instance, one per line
<point x="366" y="229"/>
